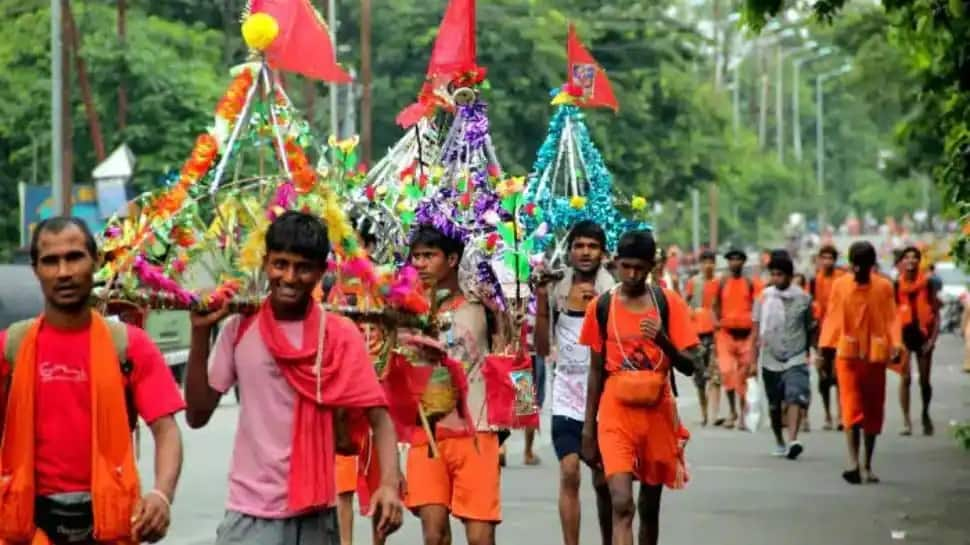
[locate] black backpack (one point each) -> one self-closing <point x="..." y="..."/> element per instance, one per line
<point x="603" y="315"/>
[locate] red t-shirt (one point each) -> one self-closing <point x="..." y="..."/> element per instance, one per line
<point x="63" y="401"/>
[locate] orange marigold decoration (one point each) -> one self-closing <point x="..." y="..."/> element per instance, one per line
<point x="304" y="177"/>
<point x="232" y="102"/>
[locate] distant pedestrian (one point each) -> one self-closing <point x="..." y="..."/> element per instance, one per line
<point x="919" y="316"/>
<point x="820" y="288"/>
<point x="735" y="301"/>
<point x="862" y="330"/>
<point x="701" y="294"/>
<point x="783" y="332"/>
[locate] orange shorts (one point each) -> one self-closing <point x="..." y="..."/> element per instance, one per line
<point x="862" y="394"/>
<point x="733" y="359"/>
<point x="642" y="441"/>
<point x="346" y="469"/>
<point x="464" y="479"/>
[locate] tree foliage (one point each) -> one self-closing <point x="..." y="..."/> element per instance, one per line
<point x="674" y="132"/>
<point x="934" y="38"/>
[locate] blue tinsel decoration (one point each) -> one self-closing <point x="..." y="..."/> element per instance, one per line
<point x="599" y="198"/>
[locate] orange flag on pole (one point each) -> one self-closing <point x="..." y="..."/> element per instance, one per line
<point x="303" y="44"/>
<point x="585" y="74"/>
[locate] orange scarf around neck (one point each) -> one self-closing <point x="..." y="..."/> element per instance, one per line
<point x="114" y="476"/>
<point x="914" y="302"/>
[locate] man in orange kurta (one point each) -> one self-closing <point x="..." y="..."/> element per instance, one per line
<point x="918" y="307"/>
<point x="820" y="288"/>
<point x="735" y="344"/>
<point x="863" y="331"/>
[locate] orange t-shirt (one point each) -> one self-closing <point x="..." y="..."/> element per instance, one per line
<point x="862" y="320"/>
<point x="822" y="292"/>
<point x="624" y="341"/>
<point x="737" y="297"/>
<point x="703" y="314"/>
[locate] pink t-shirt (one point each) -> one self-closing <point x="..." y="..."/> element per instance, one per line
<point x="260" y="467"/>
<point x="63" y="401"/>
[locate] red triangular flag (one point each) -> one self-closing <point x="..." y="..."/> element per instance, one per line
<point x="303" y="44"/>
<point x="454" y="48"/>
<point x="586" y="74"/>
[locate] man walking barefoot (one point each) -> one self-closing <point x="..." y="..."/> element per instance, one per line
<point x="863" y="331"/>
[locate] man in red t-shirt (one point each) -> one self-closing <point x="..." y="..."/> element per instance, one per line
<point x="68" y="425"/>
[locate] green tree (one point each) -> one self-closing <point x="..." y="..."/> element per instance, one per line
<point x="174" y="77"/>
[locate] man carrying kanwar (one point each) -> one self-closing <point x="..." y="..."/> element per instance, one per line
<point x="295" y="364"/>
<point x="464" y="480"/>
<point x="732" y="309"/>
<point x="637" y="334"/>
<point x="701" y="292"/>
<point x="783" y="332"/>
<point x="820" y="288"/>
<point x="863" y="330"/>
<point x="583" y="281"/>
<point x="73" y="383"/>
<point x="919" y="316"/>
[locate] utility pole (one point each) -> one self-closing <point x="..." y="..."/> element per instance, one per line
<point x="695" y="220"/>
<point x="779" y="105"/>
<point x="94" y="124"/>
<point x="334" y="103"/>
<point x="712" y="190"/>
<point x="366" y="78"/>
<point x="57" y="104"/>
<point x="796" y="107"/>
<point x="123" y="44"/>
<point x="350" y="110"/>
<point x="820" y="141"/>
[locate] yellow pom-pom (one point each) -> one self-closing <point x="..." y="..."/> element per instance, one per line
<point x="638" y="203"/>
<point x="259" y="30"/>
<point x="577" y="202"/>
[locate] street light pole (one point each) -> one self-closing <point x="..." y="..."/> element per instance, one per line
<point x="820" y="140"/>
<point x="795" y="98"/>
<point x="57" y="104"/>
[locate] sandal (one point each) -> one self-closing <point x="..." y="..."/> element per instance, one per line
<point x="852" y="476"/>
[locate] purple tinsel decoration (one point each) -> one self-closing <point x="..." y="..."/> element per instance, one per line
<point x="439" y="212"/>
<point x="486" y="277"/>
<point x="474" y="124"/>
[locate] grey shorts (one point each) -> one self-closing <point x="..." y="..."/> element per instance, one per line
<point x="319" y="528"/>
<point x="791" y="386"/>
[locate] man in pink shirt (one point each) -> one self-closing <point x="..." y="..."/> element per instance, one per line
<point x="294" y="364"/>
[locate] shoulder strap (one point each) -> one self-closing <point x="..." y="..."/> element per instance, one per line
<point x="15" y="337"/>
<point x="119" y="338"/>
<point x="750" y="284"/>
<point x="663" y="308"/>
<point x="811" y="286"/>
<point x="602" y="316"/>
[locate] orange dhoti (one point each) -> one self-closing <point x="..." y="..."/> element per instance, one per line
<point x="734" y="360"/>
<point x="643" y="441"/>
<point x="862" y="394"/>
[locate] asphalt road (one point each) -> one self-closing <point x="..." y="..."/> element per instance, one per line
<point x="738" y="494"/>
